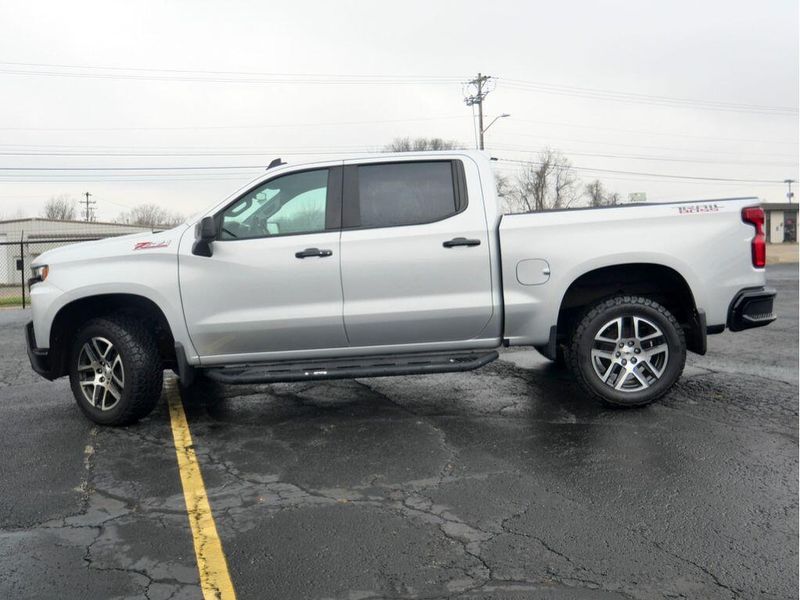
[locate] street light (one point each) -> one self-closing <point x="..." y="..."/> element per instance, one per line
<point x="485" y="129"/>
<point x="790" y="193"/>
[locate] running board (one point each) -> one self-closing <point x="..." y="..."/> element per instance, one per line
<point x="349" y="368"/>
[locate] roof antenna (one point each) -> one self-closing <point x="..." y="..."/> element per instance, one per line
<point x="277" y="162"/>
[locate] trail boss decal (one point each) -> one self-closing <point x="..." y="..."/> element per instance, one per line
<point x="698" y="208"/>
<point x="150" y="245"/>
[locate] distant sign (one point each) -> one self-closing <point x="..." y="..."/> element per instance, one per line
<point x="636" y="197"/>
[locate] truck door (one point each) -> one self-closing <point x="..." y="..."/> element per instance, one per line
<point x="414" y="253"/>
<point x="272" y="284"/>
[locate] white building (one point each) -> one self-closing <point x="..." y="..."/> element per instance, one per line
<point x="781" y="226"/>
<point x="38" y="235"/>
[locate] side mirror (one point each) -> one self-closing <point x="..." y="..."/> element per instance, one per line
<point x="205" y="233"/>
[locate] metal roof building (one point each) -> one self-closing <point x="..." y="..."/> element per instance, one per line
<point x="15" y="230"/>
<point x="22" y="240"/>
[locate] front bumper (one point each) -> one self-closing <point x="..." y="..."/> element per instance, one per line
<point x="38" y="357"/>
<point x="750" y="308"/>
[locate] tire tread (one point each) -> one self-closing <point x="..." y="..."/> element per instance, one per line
<point x="144" y="374"/>
<point x="572" y="354"/>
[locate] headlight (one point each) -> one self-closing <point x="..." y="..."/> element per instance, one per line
<point x="39" y="274"/>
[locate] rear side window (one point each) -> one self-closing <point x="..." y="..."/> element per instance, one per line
<point x="408" y="193"/>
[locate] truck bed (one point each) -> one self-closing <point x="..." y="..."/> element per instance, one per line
<point x="705" y="241"/>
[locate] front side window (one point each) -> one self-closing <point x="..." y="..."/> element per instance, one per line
<point x="405" y="193"/>
<point x="287" y="205"/>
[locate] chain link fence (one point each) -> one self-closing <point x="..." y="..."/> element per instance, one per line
<point x="16" y="258"/>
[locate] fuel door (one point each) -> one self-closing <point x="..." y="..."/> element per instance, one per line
<point x="533" y="271"/>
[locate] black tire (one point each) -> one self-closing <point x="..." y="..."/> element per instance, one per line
<point x="137" y="348"/>
<point x="598" y="316"/>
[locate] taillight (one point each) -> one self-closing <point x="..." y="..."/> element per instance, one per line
<point x="758" y="247"/>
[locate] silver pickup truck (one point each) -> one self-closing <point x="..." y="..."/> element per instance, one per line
<point x="394" y="264"/>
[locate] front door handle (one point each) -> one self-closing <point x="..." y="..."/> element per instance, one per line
<point x="308" y="252"/>
<point x="460" y="241"/>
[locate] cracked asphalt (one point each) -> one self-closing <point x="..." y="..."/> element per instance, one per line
<point x="500" y="483"/>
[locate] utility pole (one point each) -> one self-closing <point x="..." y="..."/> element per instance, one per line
<point x="790" y="193"/>
<point x="480" y="87"/>
<point x="89" y="214"/>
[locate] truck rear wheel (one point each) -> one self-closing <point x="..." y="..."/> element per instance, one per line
<point x="115" y="370"/>
<point x="627" y="351"/>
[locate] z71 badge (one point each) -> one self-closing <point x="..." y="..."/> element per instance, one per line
<point x="150" y="245"/>
<point x="698" y="208"/>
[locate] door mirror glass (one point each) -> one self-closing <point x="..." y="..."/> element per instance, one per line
<point x="205" y="234"/>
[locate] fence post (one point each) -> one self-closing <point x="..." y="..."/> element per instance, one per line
<point x="22" y="271"/>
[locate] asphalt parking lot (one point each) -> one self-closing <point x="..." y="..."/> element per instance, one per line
<point x="500" y="483"/>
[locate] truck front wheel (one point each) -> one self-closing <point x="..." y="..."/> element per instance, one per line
<point x="627" y="351"/>
<point x="115" y="370"/>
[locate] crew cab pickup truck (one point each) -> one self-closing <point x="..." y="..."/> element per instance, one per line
<point x="394" y="264"/>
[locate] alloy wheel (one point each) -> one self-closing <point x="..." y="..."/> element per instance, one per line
<point x="101" y="373"/>
<point x="629" y="353"/>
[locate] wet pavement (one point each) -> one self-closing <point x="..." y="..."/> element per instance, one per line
<point x="499" y="483"/>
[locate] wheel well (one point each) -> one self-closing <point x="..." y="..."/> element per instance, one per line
<point x="71" y="317"/>
<point x="657" y="282"/>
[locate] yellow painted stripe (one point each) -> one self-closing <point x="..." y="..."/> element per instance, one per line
<point x="214" y="577"/>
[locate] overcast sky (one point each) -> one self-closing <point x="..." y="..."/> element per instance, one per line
<point x="129" y="84"/>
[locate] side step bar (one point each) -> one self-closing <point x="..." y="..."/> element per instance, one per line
<point x="348" y="368"/>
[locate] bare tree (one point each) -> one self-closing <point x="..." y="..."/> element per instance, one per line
<point x="60" y="208"/>
<point x="502" y="184"/>
<point x="598" y="196"/>
<point x="405" y="144"/>
<point x="596" y="193"/>
<point x="546" y="184"/>
<point x="505" y="192"/>
<point x="150" y="215"/>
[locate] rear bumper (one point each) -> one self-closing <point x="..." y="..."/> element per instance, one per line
<point x="750" y="308"/>
<point x="39" y="358"/>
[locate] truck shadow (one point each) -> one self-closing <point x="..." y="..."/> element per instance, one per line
<point x="538" y="393"/>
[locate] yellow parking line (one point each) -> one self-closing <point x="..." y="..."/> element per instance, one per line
<point x="214" y="577"/>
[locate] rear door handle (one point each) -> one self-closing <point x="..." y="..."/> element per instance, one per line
<point x="460" y="241"/>
<point x="308" y="252"/>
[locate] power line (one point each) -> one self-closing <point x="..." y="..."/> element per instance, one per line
<point x="271" y="80"/>
<point x="256" y="77"/>
<point x="630" y="97"/>
<point x="192" y="168"/>
<point x="656" y="158"/>
<point x="520" y="149"/>
<point x="659" y="175"/>
<point x="643" y="180"/>
<point x="260" y="167"/>
<point x="645" y="132"/>
<point x="559" y="139"/>
<point x="246" y="73"/>
<point x="216" y="127"/>
<point x="244" y="177"/>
